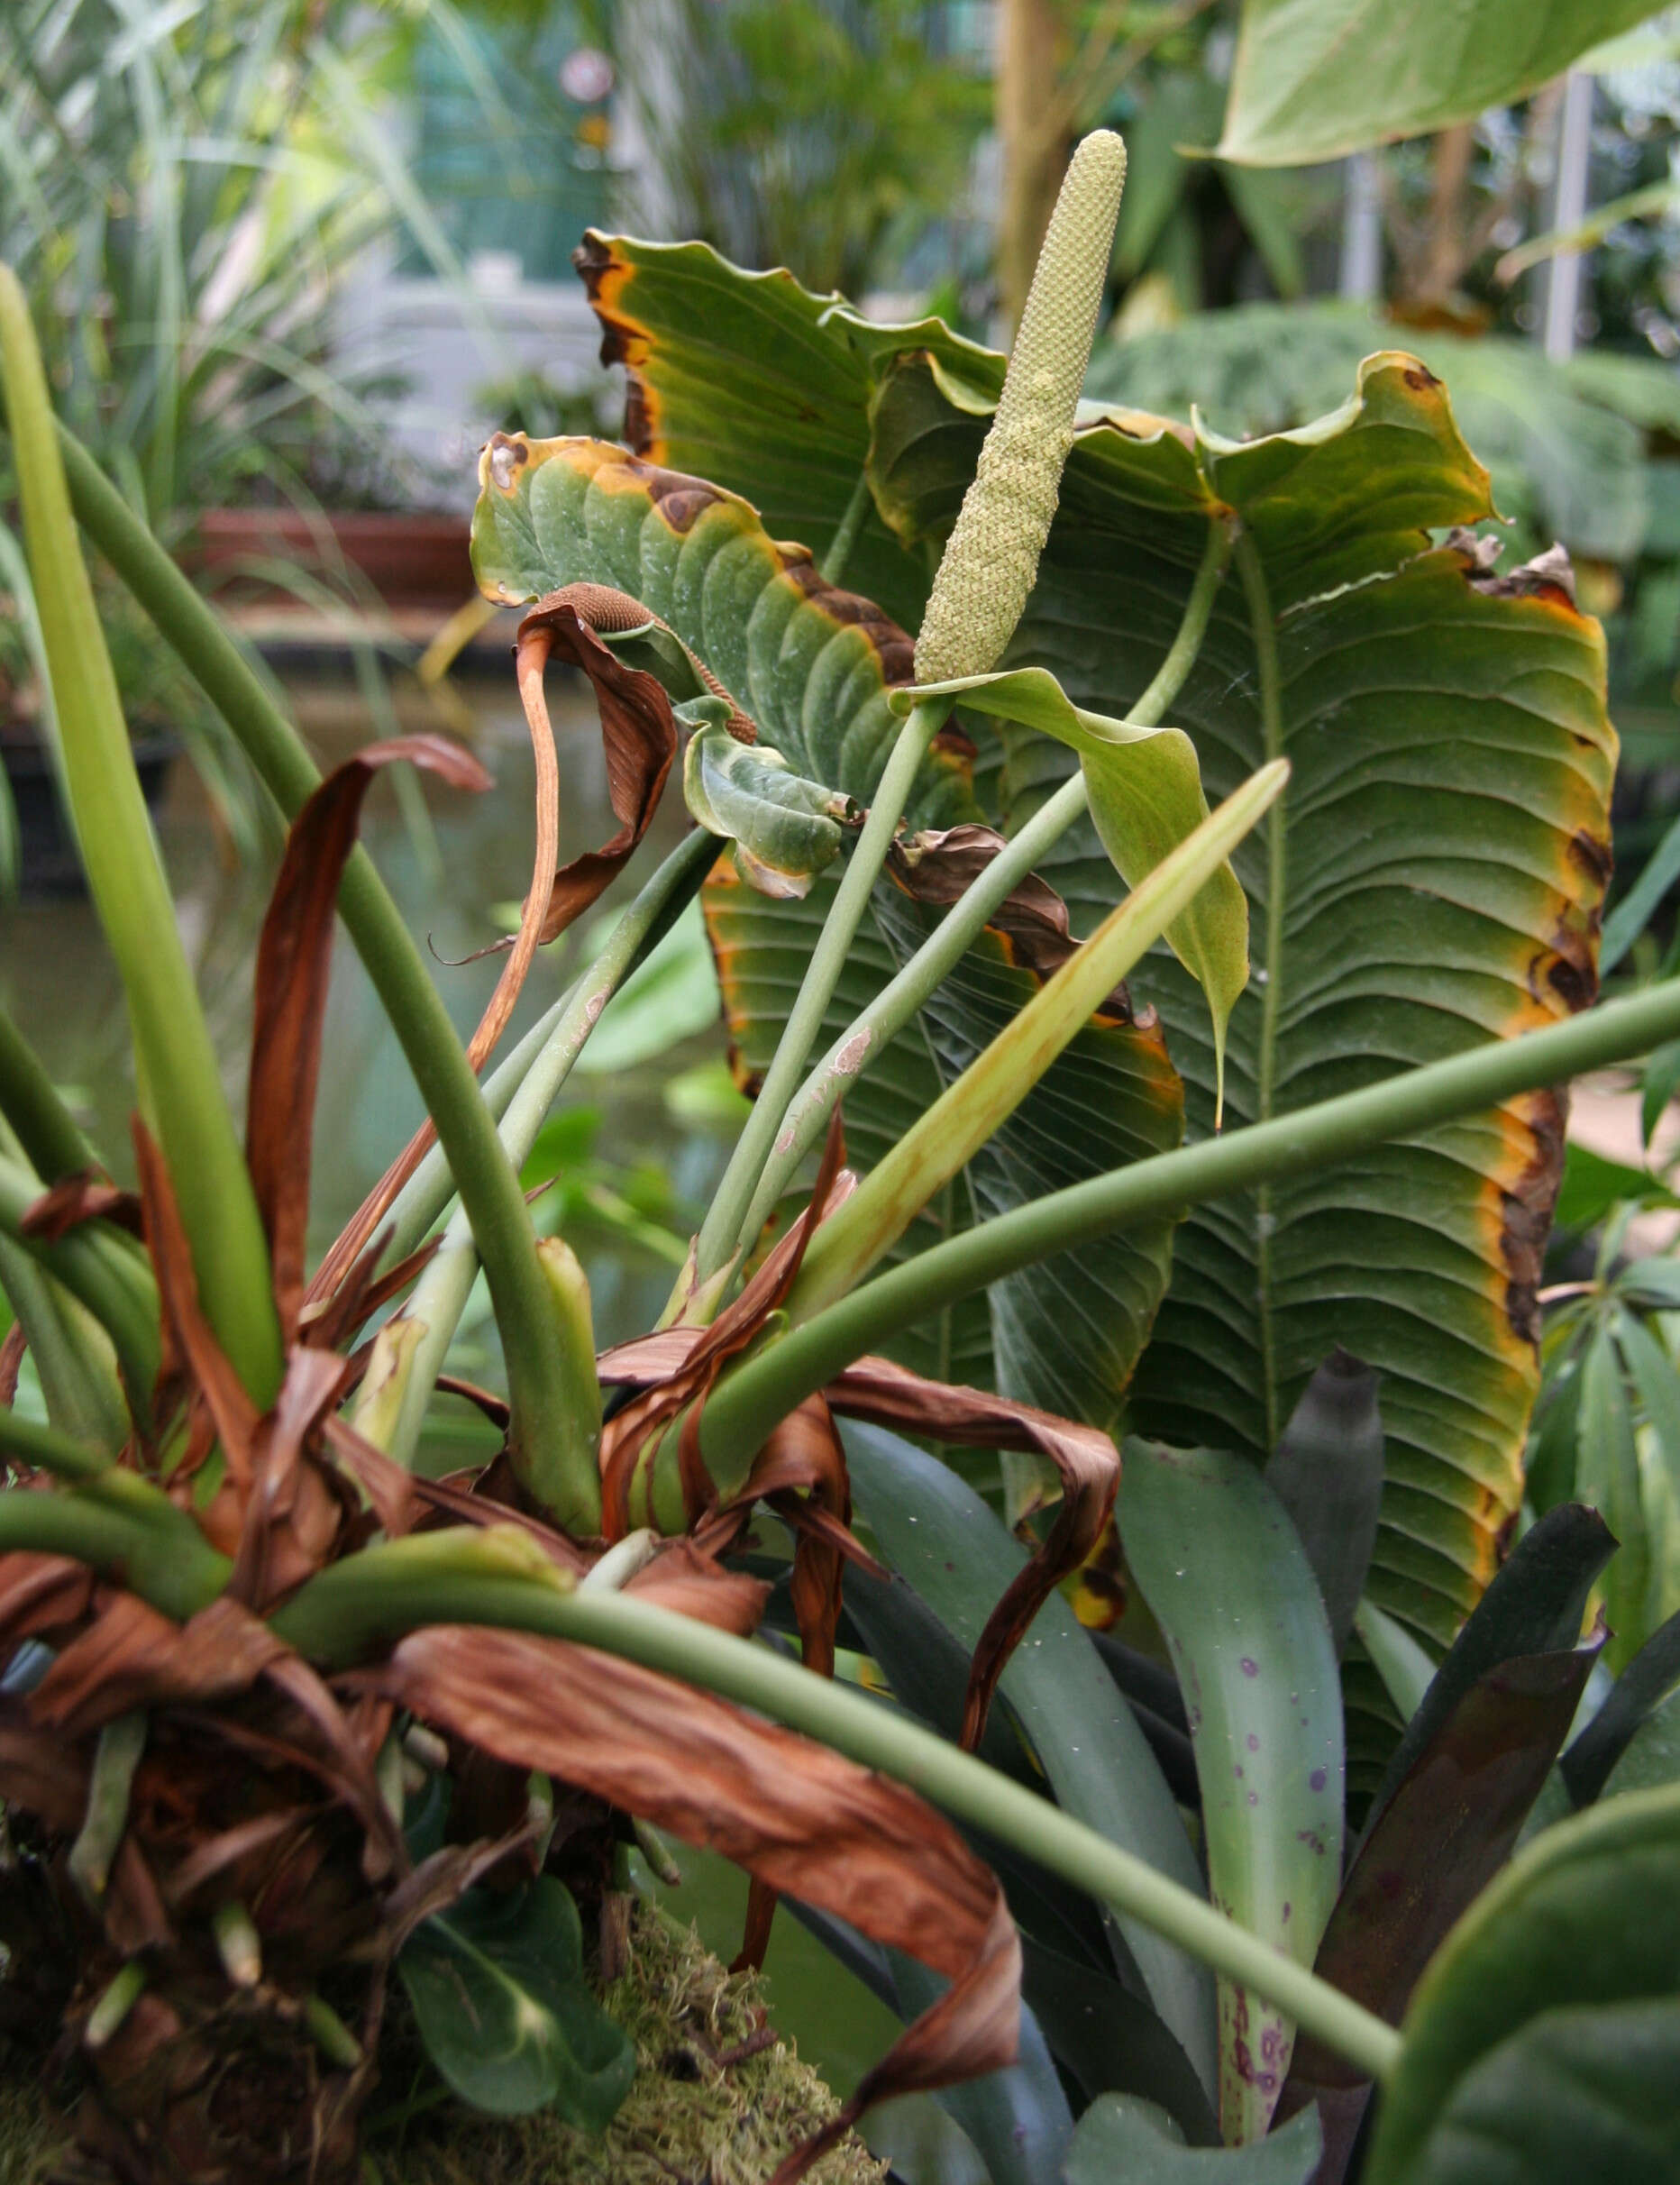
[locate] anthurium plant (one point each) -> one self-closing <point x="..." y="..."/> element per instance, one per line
<point x="1154" y="982"/>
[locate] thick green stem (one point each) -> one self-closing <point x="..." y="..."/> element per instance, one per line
<point x="115" y="1522"/>
<point x="395" y="1404"/>
<point x="180" y="1076"/>
<point x="725" y="1231"/>
<point x="75" y="1363"/>
<point x="868" y="1037"/>
<point x="43" y="1448"/>
<point x="46" y="1129"/>
<point x="747" y="1404"/>
<point x="94" y="1267"/>
<point x="346" y="1612"/>
<point x="1264" y="633"/>
<point x="488" y="1184"/>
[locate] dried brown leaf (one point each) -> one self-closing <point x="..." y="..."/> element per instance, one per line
<point x="294" y="958"/>
<point x="192" y="1344"/>
<point x="938" y="867"/>
<point x="794" y="1814"/>
<point x="132" y="1657"/>
<point x="1086" y="1460"/>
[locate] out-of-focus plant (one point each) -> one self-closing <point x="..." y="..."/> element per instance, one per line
<point x="819" y="135"/>
<point x="184" y="186"/>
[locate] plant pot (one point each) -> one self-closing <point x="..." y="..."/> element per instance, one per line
<point x="409" y="559"/>
<point x="49" y="862"/>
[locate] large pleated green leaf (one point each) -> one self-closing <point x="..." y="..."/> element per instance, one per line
<point x="813" y="665"/>
<point x="1445" y="855"/>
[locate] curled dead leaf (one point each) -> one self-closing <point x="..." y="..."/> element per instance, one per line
<point x="793" y="1813"/>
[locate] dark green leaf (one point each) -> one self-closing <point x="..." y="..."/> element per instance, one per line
<point x="1575" y="2094"/>
<point x="1653" y="1756"/>
<point x="1111" y="2042"/>
<point x="1391" y="957"/>
<point x="1017" y="2120"/>
<point x="1640" y="1689"/>
<point x="1586" y="1920"/>
<point x="1216" y="1560"/>
<point x="1328" y="1473"/>
<point x="1607" y="1477"/>
<point x="1122" y="2139"/>
<point x="1632" y="914"/>
<point x="1440" y="1839"/>
<point x="1534" y="1606"/>
<point x="937" y="1532"/>
<point x="1593" y="1185"/>
<point x="1662" y="1082"/>
<point x="499" y="1995"/>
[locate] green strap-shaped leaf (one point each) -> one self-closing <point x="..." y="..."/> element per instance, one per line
<point x="809" y="664"/>
<point x="785" y="829"/>
<point x="959" y="1558"/>
<point x="1317" y="78"/>
<point x="1144" y="789"/>
<point x="1228" y="1582"/>
<point x="504" y="2009"/>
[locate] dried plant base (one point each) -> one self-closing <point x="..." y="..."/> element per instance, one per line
<point x="691" y="2113"/>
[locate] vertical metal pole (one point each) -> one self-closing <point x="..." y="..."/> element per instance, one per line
<point x="1564" y="277"/>
<point x="1362" y="230"/>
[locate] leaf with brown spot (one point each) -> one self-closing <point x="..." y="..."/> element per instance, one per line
<point x="793" y="1812"/>
<point x="294" y="958"/>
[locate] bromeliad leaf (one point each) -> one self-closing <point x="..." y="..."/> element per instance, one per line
<point x="1121" y="2138"/>
<point x="1145" y="787"/>
<point x="785" y="829"/>
<point x="1226" y="1579"/>
<point x="499" y="1992"/>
